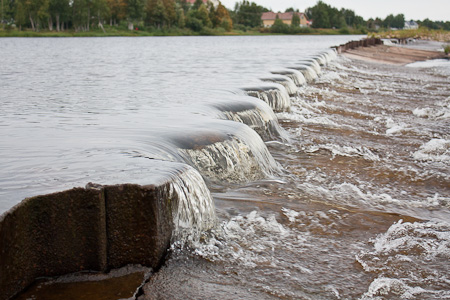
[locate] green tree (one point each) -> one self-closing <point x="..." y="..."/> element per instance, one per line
<point x="171" y="15"/>
<point x="135" y="12"/>
<point x="279" y="26"/>
<point x="388" y="21"/>
<point x="399" y="21"/>
<point x="117" y="11"/>
<point x="8" y="11"/>
<point x="181" y="19"/>
<point x="193" y="22"/>
<point x="295" y="22"/>
<point x="221" y="17"/>
<point x="21" y="14"/>
<point x="59" y="10"/>
<point x="197" y="4"/>
<point x="203" y="15"/>
<point x="429" y="24"/>
<point x="319" y="15"/>
<point x="325" y="16"/>
<point x="248" y="14"/>
<point x="2" y="20"/>
<point x="156" y="13"/>
<point x="35" y="10"/>
<point x="99" y="11"/>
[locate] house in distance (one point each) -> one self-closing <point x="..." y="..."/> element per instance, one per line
<point x="269" y="18"/>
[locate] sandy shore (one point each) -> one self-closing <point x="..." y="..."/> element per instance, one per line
<point x="392" y="54"/>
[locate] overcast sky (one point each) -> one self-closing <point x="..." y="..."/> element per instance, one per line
<point x="436" y="10"/>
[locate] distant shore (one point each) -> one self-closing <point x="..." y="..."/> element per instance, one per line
<point x="392" y="55"/>
<point x="112" y="31"/>
<point x="421" y="33"/>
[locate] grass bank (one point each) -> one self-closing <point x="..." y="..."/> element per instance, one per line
<point x="111" y="31"/>
<point x="421" y="33"/>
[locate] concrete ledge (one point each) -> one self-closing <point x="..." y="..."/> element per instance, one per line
<point x="140" y="224"/>
<point x="392" y="54"/>
<point x="51" y="235"/>
<point x="357" y="44"/>
<point x="97" y="228"/>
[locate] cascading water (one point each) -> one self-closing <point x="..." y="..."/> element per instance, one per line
<point x="240" y="158"/>
<point x="296" y="76"/>
<point x="277" y="97"/>
<point x="254" y="113"/>
<point x="195" y="212"/>
<point x="285" y="81"/>
<point x="308" y="72"/>
<point x="365" y="148"/>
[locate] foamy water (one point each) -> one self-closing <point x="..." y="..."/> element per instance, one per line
<point x="362" y="209"/>
<point x="350" y="201"/>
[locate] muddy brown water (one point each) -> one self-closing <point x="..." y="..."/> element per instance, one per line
<point x="359" y="211"/>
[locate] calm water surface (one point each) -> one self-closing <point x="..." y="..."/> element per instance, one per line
<point x="359" y="210"/>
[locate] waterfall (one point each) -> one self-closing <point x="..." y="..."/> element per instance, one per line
<point x="311" y="63"/>
<point x="254" y="113"/>
<point x="194" y="210"/>
<point x="285" y="81"/>
<point x="277" y="97"/>
<point x="296" y="76"/>
<point x="240" y="158"/>
<point x="308" y="72"/>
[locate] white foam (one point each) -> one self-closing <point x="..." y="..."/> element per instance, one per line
<point x="388" y="287"/>
<point x="404" y="256"/>
<point x="331" y="76"/>
<point x="394" y="127"/>
<point x="249" y="240"/>
<point x="440" y="111"/>
<point x="346" y="151"/>
<point x="434" y="150"/>
<point x="307" y="112"/>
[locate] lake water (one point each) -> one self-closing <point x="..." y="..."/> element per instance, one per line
<point x="350" y="201"/>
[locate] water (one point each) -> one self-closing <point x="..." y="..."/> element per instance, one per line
<point x="349" y="201"/>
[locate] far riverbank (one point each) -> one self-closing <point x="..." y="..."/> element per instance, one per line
<point x="115" y="31"/>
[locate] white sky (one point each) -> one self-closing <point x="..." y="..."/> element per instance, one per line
<point x="437" y="10"/>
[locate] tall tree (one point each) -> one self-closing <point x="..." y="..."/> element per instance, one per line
<point x="181" y="19"/>
<point x="295" y="22"/>
<point x="117" y="11"/>
<point x="319" y="15"/>
<point x="80" y="15"/>
<point x="58" y="9"/>
<point x="249" y="14"/>
<point x="135" y="12"/>
<point x="156" y="13"/>
<point x="34" y="10"/>
<point x="223" y="16"/>
<point x="171" y="15"/>
<point x="325" y="16"/>
<point x="3" y="17"/>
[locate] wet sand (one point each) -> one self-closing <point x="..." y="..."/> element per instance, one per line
<point x="392" y="54"/>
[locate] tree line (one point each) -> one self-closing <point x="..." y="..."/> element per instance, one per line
<point x="326" y="16"/>
<point x="83" y="15"/>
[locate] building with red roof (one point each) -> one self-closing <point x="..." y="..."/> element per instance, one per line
<point x="269" y="18"/>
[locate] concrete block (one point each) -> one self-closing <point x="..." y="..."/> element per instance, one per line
<point x="51" y="235"/>
<point x="139" y="224"/>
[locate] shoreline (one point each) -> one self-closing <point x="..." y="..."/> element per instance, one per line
<point x="114" y="32"/>
<point x="393" y="55"/>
